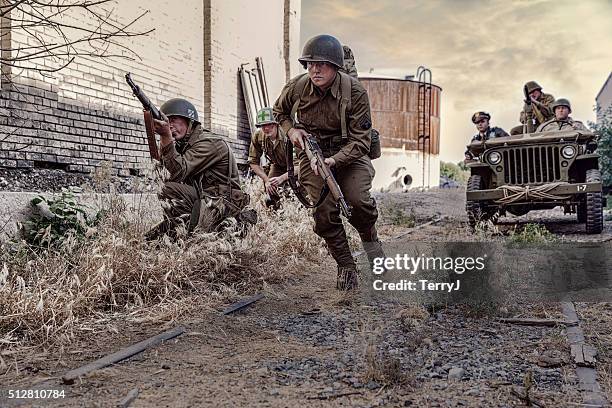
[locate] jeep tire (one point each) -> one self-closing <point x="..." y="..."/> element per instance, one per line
<point x="594" y="205"/>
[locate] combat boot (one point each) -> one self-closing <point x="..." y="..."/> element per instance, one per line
<point x="372" y="245"/>
<point x="348" y="279"/>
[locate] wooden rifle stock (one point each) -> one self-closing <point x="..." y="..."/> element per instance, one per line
<point x="313" y="150"/>
<point x="150" y="112"/>
<point x="150" y="129"/>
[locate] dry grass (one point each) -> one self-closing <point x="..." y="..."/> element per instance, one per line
<point x="46" y="297"/>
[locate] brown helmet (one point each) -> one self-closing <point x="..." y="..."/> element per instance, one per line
<point x="561" y="102"/>
<point x="480" y="115"/>
<point x="323" y="48"/>
<point x="532" y="86"/>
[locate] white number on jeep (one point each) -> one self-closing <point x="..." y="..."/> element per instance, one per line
<point x="581" y="187"/>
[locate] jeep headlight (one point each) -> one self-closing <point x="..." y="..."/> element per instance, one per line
<point x="568" y="151"/>
<point x="494" y="157"/>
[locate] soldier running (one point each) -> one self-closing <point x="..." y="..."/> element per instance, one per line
<point x="334" y="108"/>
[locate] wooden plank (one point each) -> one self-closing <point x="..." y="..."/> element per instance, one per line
<point x="538" y="322"/>
<point x="243" y="303"/>
<point x="122" y="354"/>
<point x="125" y="402"/>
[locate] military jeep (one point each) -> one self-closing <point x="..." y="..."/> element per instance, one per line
<point x="535" y="171"/>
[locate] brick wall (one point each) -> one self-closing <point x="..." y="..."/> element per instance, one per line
<point x="44" y="131"/>
<point x="85" y="113"/>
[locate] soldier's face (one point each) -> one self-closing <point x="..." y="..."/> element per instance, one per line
<point x="535" y="94"/>
<point x="270" y="130"/>
<point x="178" y="126"/>
<point x="482" y="125"/>
<point x="321" y="74"/>
<point x="561" y="112"/>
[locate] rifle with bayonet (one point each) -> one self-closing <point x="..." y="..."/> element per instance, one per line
<point x="314" y="153"/>
<point x="150" y="112"/>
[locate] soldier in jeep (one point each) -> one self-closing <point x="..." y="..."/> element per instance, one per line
<point x="562" y="121"/>
<point x="485" y="131"/>
<point x="536" y="109"/>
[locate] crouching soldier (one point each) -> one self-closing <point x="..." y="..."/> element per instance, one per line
<point x="485" y="131"/>
<point x="203" y="189"/>
<point x="269" y="141"/>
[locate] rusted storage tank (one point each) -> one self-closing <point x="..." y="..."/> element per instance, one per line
<point x="399" y="112"/>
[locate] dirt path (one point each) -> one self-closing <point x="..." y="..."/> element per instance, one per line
<point x="306" y="344"/>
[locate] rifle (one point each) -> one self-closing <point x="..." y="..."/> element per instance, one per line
<point x="528" y="125"/>
<point x="150" y="112"/>
<point x="313" y="150"/>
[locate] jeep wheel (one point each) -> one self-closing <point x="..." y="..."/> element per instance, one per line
<point x="594" y="205"/>
<point x="475" y="209"/>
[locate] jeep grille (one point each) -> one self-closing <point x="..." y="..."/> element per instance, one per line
<point x="535" y="164"/>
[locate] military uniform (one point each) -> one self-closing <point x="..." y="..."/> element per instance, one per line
<point x="204" y="187"/>
<point x="567" y="124"/>
<point x="541" y="110"/>
<point x="489" y="132"/>
<point x="319" y="113"/>
<point x="273" y="150"/>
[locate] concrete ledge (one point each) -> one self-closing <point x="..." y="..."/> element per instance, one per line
<point x="15" y="207"/>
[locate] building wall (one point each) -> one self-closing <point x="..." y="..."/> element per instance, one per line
<point x="604" y="100"/>
<point x="236" y="42"/>
<point x="86" y="113"/>
<point x="395" y="164"/>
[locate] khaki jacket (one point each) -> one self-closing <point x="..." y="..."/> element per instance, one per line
<point x="319" y="114"/>
<point x="205" y="161"/>
<point x="567" y="125"/>
<point x="275" y="151"/>
<point x="541" y="109"/>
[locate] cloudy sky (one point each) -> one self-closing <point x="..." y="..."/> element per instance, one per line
<point x="480" y="52"/>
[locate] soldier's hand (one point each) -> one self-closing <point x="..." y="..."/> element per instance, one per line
<point x="270" y="188"/>
<point x="275" y="181"/>
<point x="162" y="128"/>
<point x="297" y="137"/>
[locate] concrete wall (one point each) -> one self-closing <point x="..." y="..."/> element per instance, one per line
<point x="395" y="164"/>
<point x="604" y="100"/>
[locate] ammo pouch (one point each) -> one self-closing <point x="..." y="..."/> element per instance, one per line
<point x="375" y="151"/>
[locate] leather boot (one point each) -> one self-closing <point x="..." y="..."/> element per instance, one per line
<point x="348" y="279"/>
<point x="372" y="245"/>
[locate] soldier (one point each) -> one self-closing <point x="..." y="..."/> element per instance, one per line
<point x="539" y="110"/>
<point x="334" y="108"/>
<point x="203" y="188"/>
<point x="562" y="121"/>
<point x="485" y="131"/>
<point x="270" y="141"/>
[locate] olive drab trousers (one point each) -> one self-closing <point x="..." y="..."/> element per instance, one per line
<point x="178" y="202"/>
<point x="355" y="181"/>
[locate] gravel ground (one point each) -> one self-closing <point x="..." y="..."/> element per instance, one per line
<point x="306" y="344"/>
<point x="52" y="180"/>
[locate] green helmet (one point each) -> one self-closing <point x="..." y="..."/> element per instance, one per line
<point x="265" y="117"/>
<point x="532" y="86"/>
<point x="323" y="48"/>
<point x="561" y="102"/>
<point x="180" y="107"/>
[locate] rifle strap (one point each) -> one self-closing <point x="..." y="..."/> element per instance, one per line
<point x="293" y="180"/>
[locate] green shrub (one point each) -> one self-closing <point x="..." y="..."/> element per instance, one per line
<point x="532" y="234"/>
<point x="54" y="219"/>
